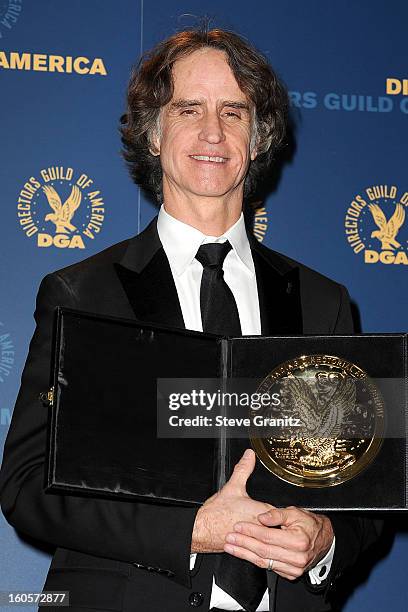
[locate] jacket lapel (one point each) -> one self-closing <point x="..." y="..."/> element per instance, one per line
<point x="278" y="292"/>
<point x="146" y="277"/>
<point x="145" y="274"/>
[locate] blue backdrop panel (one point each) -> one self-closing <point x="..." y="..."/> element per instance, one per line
<point x="57" y="120"/>
<point x="63" y="73"/>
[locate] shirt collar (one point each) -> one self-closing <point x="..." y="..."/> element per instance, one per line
<point x="181" y="241"/>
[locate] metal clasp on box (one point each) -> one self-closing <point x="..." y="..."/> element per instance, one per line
<point x="47" y="397"/>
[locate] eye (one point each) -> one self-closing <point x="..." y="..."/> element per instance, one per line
<point x="188" y="111"/>
<point x="232" y="114"/>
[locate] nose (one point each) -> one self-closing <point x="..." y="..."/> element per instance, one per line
<point x="211" y="128"/>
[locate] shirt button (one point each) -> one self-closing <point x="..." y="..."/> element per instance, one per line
<point x="322" y="571"/>
<point x="195" y="599"/>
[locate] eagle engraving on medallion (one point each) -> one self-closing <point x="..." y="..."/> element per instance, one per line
<point x="323" y="405"/>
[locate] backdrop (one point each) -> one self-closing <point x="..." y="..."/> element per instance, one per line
<point x="64" y="66"/>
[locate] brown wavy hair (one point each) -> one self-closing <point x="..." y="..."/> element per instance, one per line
<point x="151" y="87"/>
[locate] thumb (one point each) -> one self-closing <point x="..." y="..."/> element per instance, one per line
<point x="275" y="517"/>
<point x="242" y="471"/>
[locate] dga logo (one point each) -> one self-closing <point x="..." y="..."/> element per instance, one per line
<point x="6" y="353"/>
<point x="376" y="226"/>
<point x="260" y="221"/>
<point x="60" y="208"/>
<point x="9" y="13"/>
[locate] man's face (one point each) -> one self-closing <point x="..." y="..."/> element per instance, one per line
<point x="205" y="129"/>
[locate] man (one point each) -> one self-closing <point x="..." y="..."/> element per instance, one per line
<point x="205" y="116"/>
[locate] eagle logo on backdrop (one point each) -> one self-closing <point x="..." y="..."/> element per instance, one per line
<point x="63" y="213"/>
<point x="388" y="230"/>
<point x="375" y="225"/>
<point x="60" y="208"/>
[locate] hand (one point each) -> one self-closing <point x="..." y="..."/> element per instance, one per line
<point x="227" y="507"/>
<point x="295" y="539"/>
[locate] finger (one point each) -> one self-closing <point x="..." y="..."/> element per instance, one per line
<point x="285" y="575"/>
<point x="242" y="471"/>
<point x="277" y="516"/>
<point x="298" y="559"/>
<point x="284" y="538"/>
<point x="283" y="569"/>
<point x="280" y="516"/>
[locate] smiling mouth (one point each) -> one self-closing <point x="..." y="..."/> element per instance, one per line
<point x="209" y="158"/>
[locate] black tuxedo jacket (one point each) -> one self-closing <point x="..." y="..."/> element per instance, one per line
<point x="127" y="556"/>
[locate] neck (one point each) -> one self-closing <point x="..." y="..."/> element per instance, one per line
<point x="212" y="216"/>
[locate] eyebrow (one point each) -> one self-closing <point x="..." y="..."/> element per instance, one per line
<point x="183" y="103"/>
<point x="230" y="103"/>
<point x="236" y="104"/>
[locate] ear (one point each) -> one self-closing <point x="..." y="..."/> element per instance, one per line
<point x="154" y="144"/>
<point x="155" y="139"/>
<point x="254" y="141"/>
<point x="254" y="146"/>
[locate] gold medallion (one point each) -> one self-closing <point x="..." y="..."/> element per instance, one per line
<point x="329" y="423"/>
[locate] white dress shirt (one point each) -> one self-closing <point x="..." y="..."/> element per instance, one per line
<point x="180" y="243"/>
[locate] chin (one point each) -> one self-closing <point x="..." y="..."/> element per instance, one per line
<point x="212" y="190"/>
<point x="211" y="193"/>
